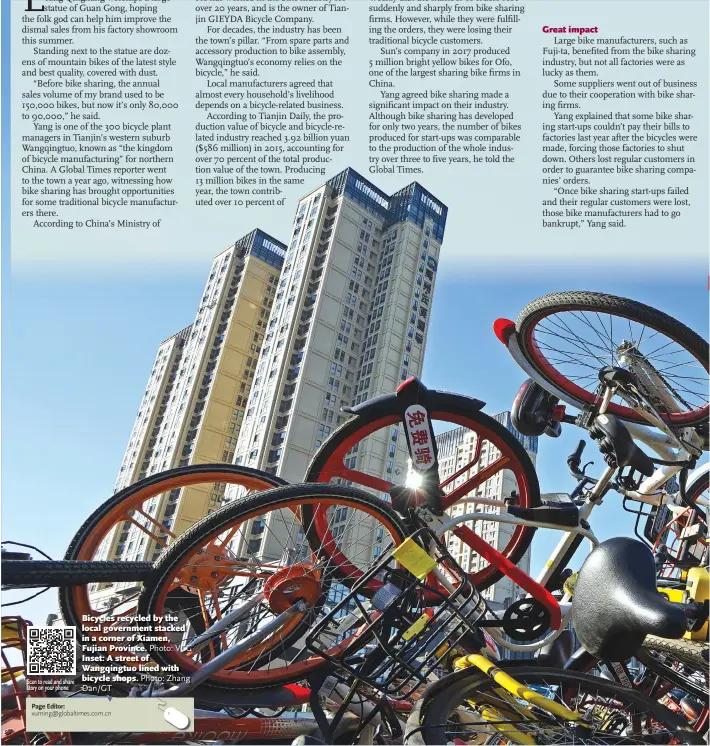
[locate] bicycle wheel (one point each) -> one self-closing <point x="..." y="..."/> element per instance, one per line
<point x="683" y="662"/>
<point x="469" y="707"/>
<point x="697" y="494"/>
<point x="370" y="443"/>
<point x="252" y="560"/>
<point x="655" y="678"/>
<point x="134" y="508"/>
<point x="568" y="337"/>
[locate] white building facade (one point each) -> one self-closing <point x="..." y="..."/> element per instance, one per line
<point x="349" y="320"/>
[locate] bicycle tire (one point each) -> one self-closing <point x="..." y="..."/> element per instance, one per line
<point x="440" y="402"/>
<point x="573" y="300"/>
<point x="426" y="725"/>
<point x="695" y="489"/>
<point x="79" y="545"/>
<point x="73" y="601"/>
<point x="62" y="573"/>
<point x="583" y="661"/>
<point x="689" y="652"/>
<point x="219" y="521"/>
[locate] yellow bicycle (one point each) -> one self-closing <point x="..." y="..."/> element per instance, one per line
<point x="482" y="704"/>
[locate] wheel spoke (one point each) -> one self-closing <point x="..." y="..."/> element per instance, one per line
<point x="367" y="480"/>
<point x="476" y="480"/>
<point x="578" y="339"/>
<point x="144" y="529"/>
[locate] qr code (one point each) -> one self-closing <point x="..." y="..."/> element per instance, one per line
<point x="51" y="650"/>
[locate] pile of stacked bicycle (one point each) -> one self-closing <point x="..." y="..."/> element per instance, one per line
<point x="353" y="608"/>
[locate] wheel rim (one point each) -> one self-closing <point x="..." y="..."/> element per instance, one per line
<point x="610" y="713"/>
<point x="334" y="468"/>
<point x="277" y="657"/>
<point x="572" y="362"/>
<point x="109" y="524"/>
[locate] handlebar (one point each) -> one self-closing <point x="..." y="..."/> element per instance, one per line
<point x="574" y="460"/>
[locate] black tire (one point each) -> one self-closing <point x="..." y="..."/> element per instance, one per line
<point x="695" y="489"/>
<point x="611" y="304"/>
<point x="66" y="603"/>
<point x="61" y="573"/>
<point x="92" y="526"/>
<point x="584" y="662"/>
<point x="219" y="521"/>
<point x="426" y="725"/>
<point x="691" y="653"/>
<point x="439" y="401"/>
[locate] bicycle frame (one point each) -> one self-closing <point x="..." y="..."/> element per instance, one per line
<point x="564" y="609"/>
<point x="665" y="443"/>
<point x="566" y="543"/>
<point x="554" y="562"/>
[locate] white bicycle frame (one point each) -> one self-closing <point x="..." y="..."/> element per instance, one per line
<point x="657" y="436"/>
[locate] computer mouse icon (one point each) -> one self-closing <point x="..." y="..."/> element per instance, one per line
<point x="176" y="718"/>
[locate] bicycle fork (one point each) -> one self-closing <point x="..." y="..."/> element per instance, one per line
<point x="518" y="690"/>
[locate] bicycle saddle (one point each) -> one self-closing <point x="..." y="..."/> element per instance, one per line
<point x="616" y="604"/>
<point x="617" y="446"/>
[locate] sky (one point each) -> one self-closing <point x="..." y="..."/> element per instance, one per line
<point x="77" y="355"/>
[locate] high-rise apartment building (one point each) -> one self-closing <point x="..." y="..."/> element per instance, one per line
<point x="349" y="322"/>
<point x="196" y="395"/>
<point x="456" y="449"/>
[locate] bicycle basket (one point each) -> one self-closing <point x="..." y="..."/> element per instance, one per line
<point x="424" y="608"/>
<point x="656" y="529"/>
